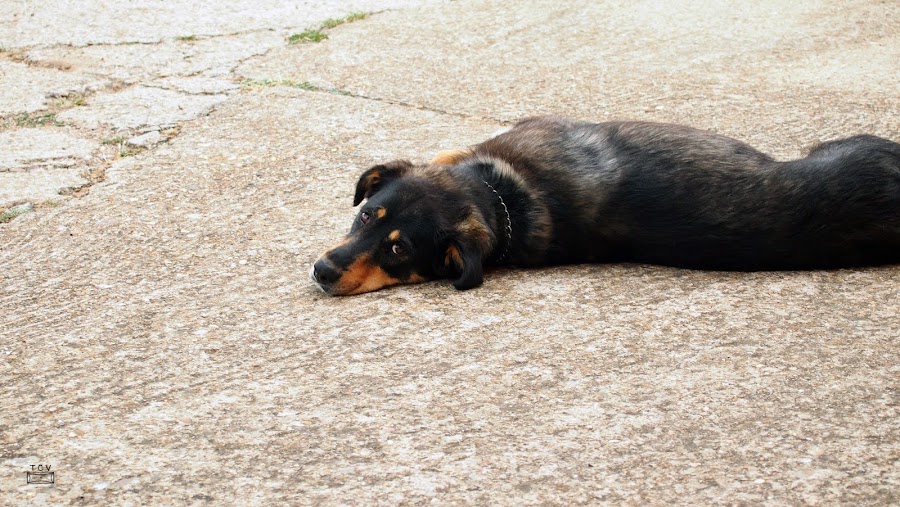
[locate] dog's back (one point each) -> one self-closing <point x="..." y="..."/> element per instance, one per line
<point x="674" y="195"/>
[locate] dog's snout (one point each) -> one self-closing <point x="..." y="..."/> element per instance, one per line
<point x="324" y="273"/>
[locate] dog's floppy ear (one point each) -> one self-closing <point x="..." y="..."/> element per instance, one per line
<point x="376" y="176"/>
<point x="462" y="252"/>
<point x="465" y="261"/>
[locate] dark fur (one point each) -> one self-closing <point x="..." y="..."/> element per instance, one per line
<point x="628" y="192"/>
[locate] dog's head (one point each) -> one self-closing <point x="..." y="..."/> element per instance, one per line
<point x="415" y="225"/>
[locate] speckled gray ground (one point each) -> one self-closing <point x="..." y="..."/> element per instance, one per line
<point x="160" y="344"/>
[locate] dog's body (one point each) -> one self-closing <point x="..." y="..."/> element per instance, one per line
<point x="553" y="191"/>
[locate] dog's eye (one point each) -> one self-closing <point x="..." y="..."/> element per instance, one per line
<point x="364" y="217"/>
<point x="398" y="249"/>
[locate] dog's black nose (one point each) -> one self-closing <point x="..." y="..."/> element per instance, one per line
<point x="324" y="273"/>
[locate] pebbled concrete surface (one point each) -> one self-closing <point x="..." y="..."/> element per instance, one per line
<point x="30" y="146"/>
<point x="140" y="107"/>
<point x="777" y="74"/>
<point x="40" y="185"/>
<point x="26" y="90"/>
<point x="161" y="345"/>
<point x="79" y="23"/>
<point x="134" y="63"/>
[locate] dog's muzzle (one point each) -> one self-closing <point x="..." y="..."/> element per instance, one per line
<point x="323" y="274"/>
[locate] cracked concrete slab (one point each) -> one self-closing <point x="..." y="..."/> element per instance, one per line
<point x="196" y="85"/>
<point x="39" y="185"/>
<point x="94" y="58"/>
<point x="209" y="57"/>
<point x="162" y="345"/>
<point x="85" y="22"/>
<point x="34" y="147"/>
<point x="651" y="60"/>
<point x="168" y="318"/>
<point x="27" y="89"/>
<point x="146" y="140"/>
<point x="139" y="107"/>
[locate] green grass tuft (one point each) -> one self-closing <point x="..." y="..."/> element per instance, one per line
<point x="10" y="214"/>
<point x="37" y="120"/>
<point x="268" y="83"/>
<point x="349" y="18"/>
<point x="316" y="35"/>
<point x="126" y="152"/>
<point x="69" y="102"/>
<point x="113" y="141"/>
<point x="186" y="38"/>
<point x="307" y="36"/>
<point x="254" y="84"/>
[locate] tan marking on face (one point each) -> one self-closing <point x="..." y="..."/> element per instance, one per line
<point x="362" y="276"/>
<point x="343" y="242"/>
<point x="394" y="235"/>
<point x="450" y="157"/>
<point x="380" y="212"/>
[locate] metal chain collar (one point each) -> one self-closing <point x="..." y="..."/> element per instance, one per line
<point x="508" y="222"/>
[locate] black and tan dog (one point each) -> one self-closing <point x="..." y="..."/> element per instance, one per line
<point x="552" y="191"/>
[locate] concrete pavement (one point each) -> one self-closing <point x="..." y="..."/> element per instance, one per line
<point x="161" y="344"/>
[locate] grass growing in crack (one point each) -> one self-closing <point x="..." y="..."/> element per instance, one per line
<point x="256" y="84"/>
<point x="113" y="141"/>
<point x="349" y="18"/>
<point x="10" y="214"/>
<point x="307" y="36"/>
<point x="45" y="117"/>
<point x="316" y="34"/>
<point x="268" y="83"/>
<point x="69" y="102"/>
<point x="121" y="150"/>
<point x="186" y="38"/>
<point x="36" y="120"/>
<point x="128" y="152"/>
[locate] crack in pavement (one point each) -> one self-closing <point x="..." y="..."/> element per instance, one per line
<point x="102" y="160"/>
<point x="411" y="105"/>
<point x="191" y="37"/>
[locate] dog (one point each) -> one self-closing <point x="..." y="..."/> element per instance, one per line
<point x="552" y="191"/>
